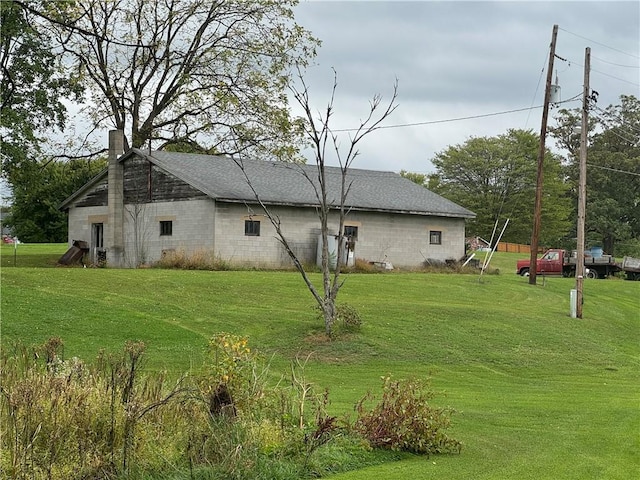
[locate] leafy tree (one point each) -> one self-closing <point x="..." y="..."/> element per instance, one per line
<point x="197" y="72"/>
<point x="495" y="177"/>
<point x="32" y="86"/>
<point x="39" y="188"/>
<point x="613" y="172"/>
<point x="417" y="178"/>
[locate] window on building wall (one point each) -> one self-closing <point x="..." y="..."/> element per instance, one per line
<point x="252" y="228"/>
<point x="166" y="228"/>
<point x="435" y="237"/>
<point x="351" y="232"/>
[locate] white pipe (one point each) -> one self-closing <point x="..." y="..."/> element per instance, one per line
<point x="469" y="259"/>
<point x="486" y="264"/>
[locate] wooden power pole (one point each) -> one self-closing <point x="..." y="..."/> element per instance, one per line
<point x="537" y="213"/>
<point x="582" y="184"/>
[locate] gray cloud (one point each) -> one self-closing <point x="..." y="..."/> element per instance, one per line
<point x="455" y="59"/>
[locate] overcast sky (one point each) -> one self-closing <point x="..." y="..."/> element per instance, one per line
<point x="458" y="59"/>
<point x="455" y="59"/>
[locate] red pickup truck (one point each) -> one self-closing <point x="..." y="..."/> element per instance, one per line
<point x="559" y="262"/>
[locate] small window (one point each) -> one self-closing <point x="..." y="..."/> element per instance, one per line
<point x="435" y="237"/>
<point x="252" y="228"/>
<point x="351" y="232"/>
<point x="166" y="228"/>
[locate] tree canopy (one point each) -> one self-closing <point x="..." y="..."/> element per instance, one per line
<point x="32" y="86"/>
<point x="39" y="187"/>
<point x="186" y="71"/>
<point x="613" y="173"/>
<point x="211" y="76"/>
<point x="495" y="177"/>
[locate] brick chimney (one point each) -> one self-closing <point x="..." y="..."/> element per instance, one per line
<point x="114" y="234"/>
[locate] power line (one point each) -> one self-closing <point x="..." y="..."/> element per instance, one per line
<point x="617" y="78"/>
<point x="628" y="140"/>
<point x="616" y="64"/>
<point x="535" y="94"/>
<point x="458" y="119"/>
<point x="601" y="44"/>
<point x="603" y="73"/>
<point x="622" y="121"/>
<point x="625" y="127"/>
<point x="613" y="169"/>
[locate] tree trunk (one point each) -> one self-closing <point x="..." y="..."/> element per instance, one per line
<point x="329" y="314"/>
<point x="607" y="244"/>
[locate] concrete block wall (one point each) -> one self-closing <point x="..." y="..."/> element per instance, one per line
<point x="192" y="229"/>
<point x="80" y="222"/>
<point x="403" y="239"/>
<point x="300" y="226"/>
<point x="400" y="239"/>
<point x="203" y="225"/>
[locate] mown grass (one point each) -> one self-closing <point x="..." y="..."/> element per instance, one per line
<point x="41" y="255"/>
<point x="539" y="395"/>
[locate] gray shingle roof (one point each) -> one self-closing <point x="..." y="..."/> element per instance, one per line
<point x="280" y="183"/>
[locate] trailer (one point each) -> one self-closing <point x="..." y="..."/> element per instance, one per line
<point x="631" y="267"/>
<point x="596" y="267"/>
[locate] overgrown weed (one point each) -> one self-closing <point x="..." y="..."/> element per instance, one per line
<point x="197" y="260"/>
<point x="69" y="420"/>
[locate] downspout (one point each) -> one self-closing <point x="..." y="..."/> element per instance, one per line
<point x="115" y="200"/>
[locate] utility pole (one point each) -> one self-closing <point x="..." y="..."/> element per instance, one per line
<point x="543" y="134"/>
<point x="582" y="183"/>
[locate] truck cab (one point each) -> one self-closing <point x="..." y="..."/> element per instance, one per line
<point x="551" y="263"/>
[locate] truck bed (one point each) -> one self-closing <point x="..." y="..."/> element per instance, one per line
<point x="603" y="260"/>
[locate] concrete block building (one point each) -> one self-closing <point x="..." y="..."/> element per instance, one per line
<point x="147" y="203"/>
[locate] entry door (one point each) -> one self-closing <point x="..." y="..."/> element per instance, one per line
<point x="97" y="240"/>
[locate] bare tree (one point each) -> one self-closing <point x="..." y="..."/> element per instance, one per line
<point x="325" y="142"/>
<point x="197" y="72"/>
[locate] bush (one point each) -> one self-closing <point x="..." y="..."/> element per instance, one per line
<point x="198" y="260"/>
<point x="404" y="419"/>
<point x="364" y="266"/>
<point x="347" y="319"/>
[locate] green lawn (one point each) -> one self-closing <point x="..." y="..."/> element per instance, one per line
<point x="539" y="395"/>
<point x="31" y="254"/>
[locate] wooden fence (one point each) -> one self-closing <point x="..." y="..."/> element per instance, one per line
<point x="514" y="248"/>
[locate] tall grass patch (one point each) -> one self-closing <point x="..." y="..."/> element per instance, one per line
<point x="111" y="419"/>
<point x="198" y="260"/>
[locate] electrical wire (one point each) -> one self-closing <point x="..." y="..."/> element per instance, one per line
<point x="626" y="139"/>
<point x="615" y="64"/>
<point x="613" y="169"/>
<point x="457" y="119"/>
<point x="629" y="134"/>
<point x="526" y="123"/>
<point x="605" y="74"/>
<point x="616" y="78"/>
<point x="603" y="113"/>
<point x="598" y="43"/>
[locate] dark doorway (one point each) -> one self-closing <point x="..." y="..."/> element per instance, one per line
<point x="97" y="242"/>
